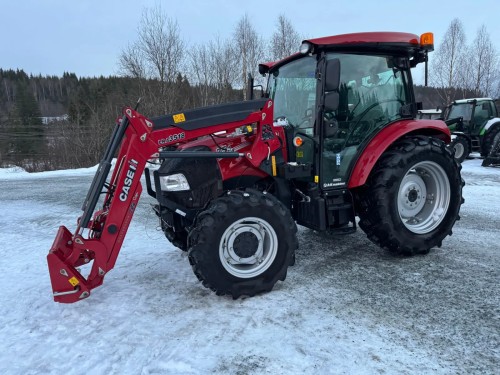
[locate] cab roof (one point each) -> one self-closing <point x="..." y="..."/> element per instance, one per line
<point x="470" y="100"/>
<point x="379" y="37"/>
<point x="368" y="41"/>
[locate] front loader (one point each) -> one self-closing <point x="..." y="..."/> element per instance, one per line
<point x="333" y="143"/>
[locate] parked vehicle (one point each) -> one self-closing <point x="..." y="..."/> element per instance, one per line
<point x="334" y="136"/>
<point x="474" y="124"/>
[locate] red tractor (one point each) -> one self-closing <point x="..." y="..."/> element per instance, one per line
<point x="333" y="137"/>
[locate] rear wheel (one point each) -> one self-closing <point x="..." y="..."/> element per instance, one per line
<point x="489" y="139"/>
<point x="412" y="197"/>
<point x="460" y="147"/>
<point x="243" y="243"/>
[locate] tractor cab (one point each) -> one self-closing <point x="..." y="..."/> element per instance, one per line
<point x="334" y="101"/>
<point x="333" y="98"/>
<point x="474" y="124"/>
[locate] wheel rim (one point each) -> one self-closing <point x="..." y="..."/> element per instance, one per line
<point x="459" y="150"/>
<point x="424" y="197"/>
<point x="248" y="247"/>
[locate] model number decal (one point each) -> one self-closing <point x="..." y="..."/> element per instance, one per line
<point x="172" y="138"/>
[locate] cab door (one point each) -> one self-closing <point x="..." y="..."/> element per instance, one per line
<point x="372" y="91"/>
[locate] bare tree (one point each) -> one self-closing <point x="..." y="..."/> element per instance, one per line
<point x="201" y="72"/>
<point x="447" y="59"/>
<point x="131" y="63"/>
<point x="214" y="69"/>
<point x="483" y="64"/>
<point x="285" y="40"/>
<point x="161" y="44"/>
<point x="250" y="48"/>
<point x="157" y="55"/>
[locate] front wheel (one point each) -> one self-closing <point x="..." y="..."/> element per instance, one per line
<point x="412" y="197"/>
<point x="460" y="147"/>
<point x="243" y="243"/>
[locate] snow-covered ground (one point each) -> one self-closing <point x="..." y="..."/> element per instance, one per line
<point x="346" y="307"/>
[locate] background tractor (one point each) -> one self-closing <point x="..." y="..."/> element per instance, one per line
<point x="474" y="124"/>
<point x="333" y="138"/>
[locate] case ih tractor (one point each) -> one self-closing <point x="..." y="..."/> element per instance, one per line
<point x="474" y="125"/>
<point x="333" y="138"/>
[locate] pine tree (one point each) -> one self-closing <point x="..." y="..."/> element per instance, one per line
<point x="26" y="121"/>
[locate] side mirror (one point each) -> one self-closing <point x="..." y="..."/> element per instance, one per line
<point x="332" y="83"/>
<point x="332" y="80"/>
<point x="332" y="99"/>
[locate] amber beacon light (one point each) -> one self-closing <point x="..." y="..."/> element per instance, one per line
<point x="427" y="40"/>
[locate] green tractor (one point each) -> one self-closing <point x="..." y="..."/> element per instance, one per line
<point x="474" y="124"/>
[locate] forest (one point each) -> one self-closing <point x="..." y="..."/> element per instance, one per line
<point x="51" y="122"/>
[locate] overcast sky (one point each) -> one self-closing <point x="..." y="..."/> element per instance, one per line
<point x="50" y="37"/>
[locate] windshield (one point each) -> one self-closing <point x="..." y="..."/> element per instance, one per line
<point x="461" y="110"/>
<point x="293" y="89"/>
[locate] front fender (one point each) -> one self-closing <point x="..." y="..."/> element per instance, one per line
<point x="386" y="137"/>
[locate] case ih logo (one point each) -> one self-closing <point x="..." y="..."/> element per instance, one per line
<point x="129" y="178"/>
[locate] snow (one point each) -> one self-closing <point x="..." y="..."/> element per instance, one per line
<point x="19" y="173"/>
<point x="346" y="307"/>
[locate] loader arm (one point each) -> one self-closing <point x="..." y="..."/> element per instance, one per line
<point x="100" y="232"/>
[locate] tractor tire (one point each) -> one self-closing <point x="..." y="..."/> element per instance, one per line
<point x="412" y="197"/>
<point x="243" y="243"/>
<point x="489" y="139"/>
<point x="178" y="239"/>
<point x="460" y="147"/>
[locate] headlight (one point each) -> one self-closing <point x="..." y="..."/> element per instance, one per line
<point x="174" y="182"/>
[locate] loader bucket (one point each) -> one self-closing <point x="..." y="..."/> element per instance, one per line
<point x="68" y="285"/>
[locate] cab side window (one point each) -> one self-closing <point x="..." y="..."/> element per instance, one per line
<point x="481" y="113"/>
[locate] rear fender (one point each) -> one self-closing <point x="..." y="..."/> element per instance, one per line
<point x="386" y="137"/>
<point x="494" y="121"/>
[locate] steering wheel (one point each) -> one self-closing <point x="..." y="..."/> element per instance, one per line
<point x="307" y="120"/>
<point x="366" y="127"/>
